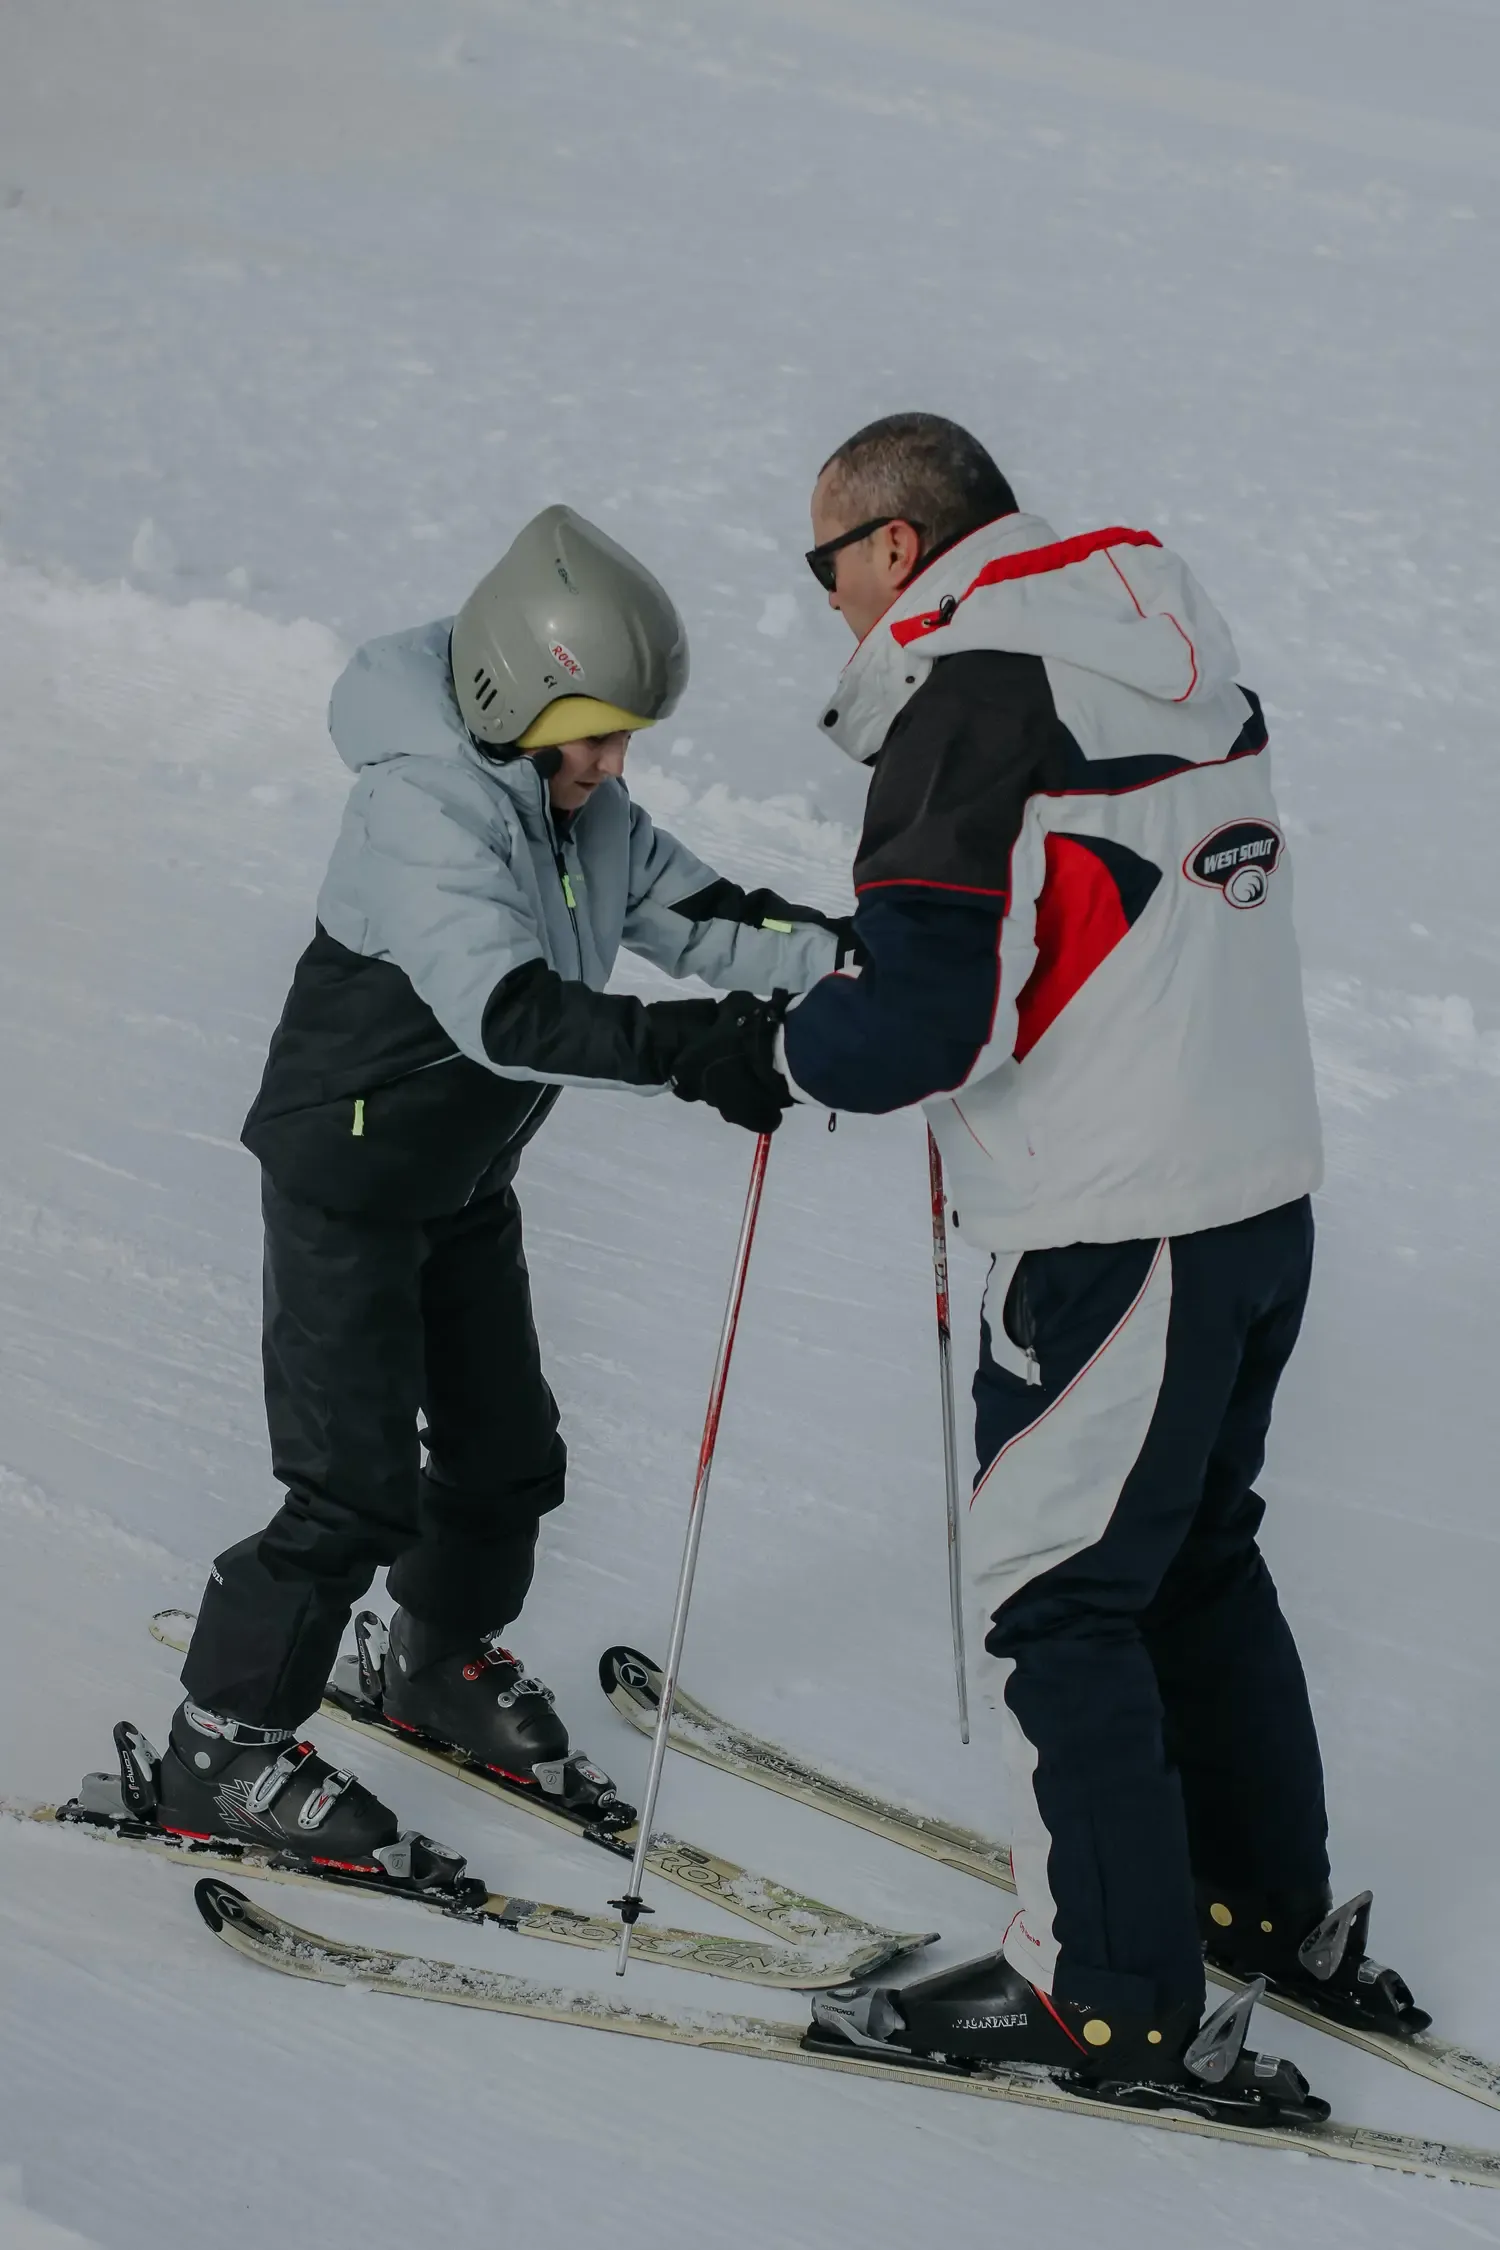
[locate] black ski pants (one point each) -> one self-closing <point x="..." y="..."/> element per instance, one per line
<point x="369" y="1324"/>
<point x="1157" y="1715"/>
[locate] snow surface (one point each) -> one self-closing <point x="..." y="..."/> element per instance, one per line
<point x="306" y="306"/>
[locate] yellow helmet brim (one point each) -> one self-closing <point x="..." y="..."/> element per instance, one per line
<point x="573" y="718"/>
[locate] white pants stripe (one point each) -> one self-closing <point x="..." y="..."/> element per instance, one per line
<point x="1048" y="1494"/>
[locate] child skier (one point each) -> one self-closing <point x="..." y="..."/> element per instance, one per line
<point x="490" y="864"/>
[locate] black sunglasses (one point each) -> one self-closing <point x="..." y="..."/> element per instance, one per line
<point x="820" y="559"/>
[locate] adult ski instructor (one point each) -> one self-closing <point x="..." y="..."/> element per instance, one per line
<point x="1076" y="948"/>
<point x="490" y="865"/>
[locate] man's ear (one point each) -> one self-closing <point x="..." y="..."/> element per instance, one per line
<point x="902" y="549"/>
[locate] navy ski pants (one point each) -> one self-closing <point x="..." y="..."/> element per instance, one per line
<point x="1157" y="1712"/>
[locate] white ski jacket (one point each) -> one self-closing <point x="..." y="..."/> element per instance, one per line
<point x="1074" y="899"/>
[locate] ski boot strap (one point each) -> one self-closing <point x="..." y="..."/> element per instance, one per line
<point x="278" y="1776"/>
<point x="238" y="1731"/>
<point x="321" y="1801"/>
<point x="493" y="1654"/>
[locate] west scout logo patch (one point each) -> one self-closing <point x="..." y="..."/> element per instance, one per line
<point x="1238" y="859"/>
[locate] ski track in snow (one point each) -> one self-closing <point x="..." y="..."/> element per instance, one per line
<point x="283" y="370"/>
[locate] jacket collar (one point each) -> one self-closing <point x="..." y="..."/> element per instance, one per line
<point x="882" y="675"/>
<point x="1115" y="603"/>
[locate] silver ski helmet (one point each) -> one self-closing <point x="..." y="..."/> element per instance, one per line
<point x="567" y="636"/>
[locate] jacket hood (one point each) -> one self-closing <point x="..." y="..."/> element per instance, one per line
<point x="394" y="699"/>
<point x="1115" y="602"/>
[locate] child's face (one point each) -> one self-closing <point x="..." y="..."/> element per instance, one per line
<point x="596" y="758"/>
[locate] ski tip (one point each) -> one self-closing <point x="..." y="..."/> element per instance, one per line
<point x="626" y="1670"/>
<point x="907" y="1942"/>
<point x="173" y="1628"/>
<point x="219" y="1903"/>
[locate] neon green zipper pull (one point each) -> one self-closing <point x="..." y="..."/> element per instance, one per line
<point x="359" y="1119"/>
<point x="783" y="929"/>
<point x="567" y="883"/>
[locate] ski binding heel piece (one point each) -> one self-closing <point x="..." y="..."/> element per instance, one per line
<point x="1220" y="2041"/>
<point x="140" y="1772"/>
<point x="1328" y="1974"/>
<point x="114" y="1800"/>
<point x="371" y="1642"/>
<point x="1356" y="1987"/>
<point x="862" y="2015"/>
<point x="1324" y="1950"/>
<point x="1260" y="2089"/>
<point x="429" y="1870"/>
<point x="580" y="1786"/>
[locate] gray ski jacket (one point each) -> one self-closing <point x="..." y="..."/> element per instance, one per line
<point x="465" y="934"/>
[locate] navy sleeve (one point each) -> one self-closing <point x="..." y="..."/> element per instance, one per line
<point x="915" y="1020"/>
<point x="932" y="875"/>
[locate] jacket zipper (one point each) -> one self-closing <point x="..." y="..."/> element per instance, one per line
<point x="439" y="1062"/>
<point x="568" y="899"/>
<point x="559" y="861"/>
<point x="1027" y="1327"/>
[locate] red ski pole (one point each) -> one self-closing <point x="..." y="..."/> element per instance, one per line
<point x="630" y="1906"/>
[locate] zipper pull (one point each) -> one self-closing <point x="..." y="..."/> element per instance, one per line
<point x="1027" y="1326"/>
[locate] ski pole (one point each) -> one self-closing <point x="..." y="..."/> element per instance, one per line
<point x="630" y="1906"/>
<point x="950" y="1440"/>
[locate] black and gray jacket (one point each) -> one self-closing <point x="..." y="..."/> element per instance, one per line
<point x="464" y="937"/>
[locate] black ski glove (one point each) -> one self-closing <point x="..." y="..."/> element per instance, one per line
<point x="674" y="1025"/>
<point x="732" y="1066"/>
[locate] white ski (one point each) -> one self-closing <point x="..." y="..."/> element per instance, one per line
<point x="745" y="1960"/>
<point x="261" y="1936"/>
<point x="630" y="1680"/>
<point x="787" y="1914"/>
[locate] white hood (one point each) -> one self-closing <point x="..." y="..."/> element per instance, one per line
<point x="1113" y="602"/>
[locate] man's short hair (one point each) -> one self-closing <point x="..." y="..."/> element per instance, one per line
<point x="924" y="470"/>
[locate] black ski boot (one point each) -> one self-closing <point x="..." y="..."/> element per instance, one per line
<point x="985" y="2016"/>
<point x="1309" y="1954"/>
<point x="261" y="1792"/>
<point x="471" y="1694"/>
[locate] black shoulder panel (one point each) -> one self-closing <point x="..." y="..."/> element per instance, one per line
<point x="978" y="738"/>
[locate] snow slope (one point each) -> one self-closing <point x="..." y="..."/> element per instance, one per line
<point x="302" y="313"/>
